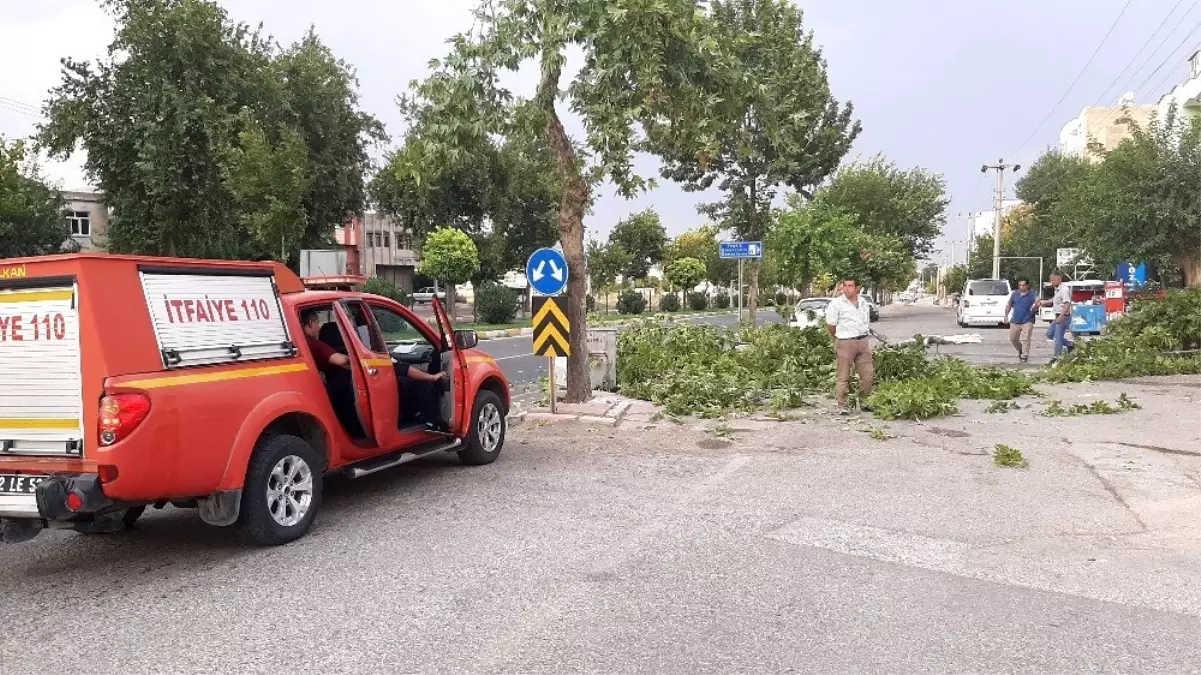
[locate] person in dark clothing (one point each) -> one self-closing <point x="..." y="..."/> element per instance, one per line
<point x="419" y="392"/>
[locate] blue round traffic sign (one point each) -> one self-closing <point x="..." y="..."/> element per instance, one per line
<point x="547" y="272"/>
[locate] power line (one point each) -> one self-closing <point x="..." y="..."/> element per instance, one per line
<point x="1139" y="53"/>
<point x="1187" y="36"/>
<point x="1077" y="78"/>
<point x="19" y="111"/>
<point x="18" y="104"/>
<point x="1163" y="80"/>
<point x="1155" y="52"/>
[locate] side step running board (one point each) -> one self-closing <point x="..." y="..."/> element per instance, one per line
<point x="368" y="467"/>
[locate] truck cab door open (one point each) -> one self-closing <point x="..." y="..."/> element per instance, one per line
<point x="375" y="380"/>
<point x="454" y="364"/>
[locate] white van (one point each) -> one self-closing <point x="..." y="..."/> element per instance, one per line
<point x="983" y="303"/>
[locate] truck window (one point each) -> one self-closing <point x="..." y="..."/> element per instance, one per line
<point x="365" y="329"/>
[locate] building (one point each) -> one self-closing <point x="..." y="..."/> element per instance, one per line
<point x="1186" y="96"/>
<point x="88" y="216"/>
<point x="982" y="222"/>
<point x="1107" y="126"/>
<point x="381" y="247"/>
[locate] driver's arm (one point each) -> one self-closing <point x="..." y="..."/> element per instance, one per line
<point x="340" y="360"/>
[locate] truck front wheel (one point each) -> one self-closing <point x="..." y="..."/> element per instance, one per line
<point x="487" y="434"/>
<point x="282" y="493"/>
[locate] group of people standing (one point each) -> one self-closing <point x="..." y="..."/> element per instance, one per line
<point x="1022" y="310"/>
<point x="848" y="318"/>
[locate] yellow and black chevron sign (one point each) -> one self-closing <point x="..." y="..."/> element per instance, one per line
<point x="552" y="330"/>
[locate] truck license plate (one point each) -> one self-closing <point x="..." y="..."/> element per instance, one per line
<point x="19" y="485"/>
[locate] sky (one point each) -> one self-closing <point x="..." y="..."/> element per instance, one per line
<point x="942" y="84"/>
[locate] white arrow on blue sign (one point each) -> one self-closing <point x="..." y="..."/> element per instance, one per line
<point x="740" y="249"/>
<point x="547" y="272"/>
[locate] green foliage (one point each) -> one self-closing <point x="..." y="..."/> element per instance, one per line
<point x="880" y="434"/>
<point x="781" y="298"/>
<point x="698" y="302"/>
<point x="669" y="303"/>
<point x="450" y="256"/>
<point x="1004" y="455"/>
<point x="32" y="221"/>
<point x="1058" y="409"/>
<point x="685" y="273"/>
<point x="918" y="399"/>
<point x="702" y="244"/>
<point x="908" y="205"/>
<point x="1179" y="314"/>
<point x="808" y="239"/>
<point x="590" y="303"/>
<point x="644" y="238"/>
<point x="605" y="263"/>
<point x="964" y="381"/>
<point x="631" y="302"/>
<point x="721" y="301"/>
<point x="1002" y="407"/>
<point x="381" y="286"/>
<point x="895" y="364"/>
<point x="495" y="303"/>
<point x="955" y="279"/>
<point x="262" y="152"/>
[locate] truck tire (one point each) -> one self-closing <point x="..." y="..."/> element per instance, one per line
<point x="486" y="436"/>
<point x="132" y="514"/>
<point x="282" y="492"/>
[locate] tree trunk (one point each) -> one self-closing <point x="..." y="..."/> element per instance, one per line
<point x="1190" y="268"/>
<point x="571" y="230"/>
<point x="450" y="302"/>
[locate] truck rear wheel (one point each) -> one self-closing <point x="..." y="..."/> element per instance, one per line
<point x="486" y="436"/>
<point x="282" y="493"/>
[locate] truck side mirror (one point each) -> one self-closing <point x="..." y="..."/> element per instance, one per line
<point x="466" y="339"/>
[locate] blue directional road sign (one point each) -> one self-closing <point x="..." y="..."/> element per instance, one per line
<point x="547" y="272"/>
<point x="740" y="249"/>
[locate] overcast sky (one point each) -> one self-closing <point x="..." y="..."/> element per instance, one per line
<point x="942" y="84"/>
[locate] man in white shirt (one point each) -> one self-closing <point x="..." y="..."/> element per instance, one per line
<point x="1061" y="305"/>
<point x="848" y="318"/>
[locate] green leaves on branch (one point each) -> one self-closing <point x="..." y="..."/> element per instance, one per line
<point x="32" y="221"/>
<point x="685" y="273"/>
<point x="644" y="238"/>
<point x="262" y="153"/>
<point x="450" y="256"/>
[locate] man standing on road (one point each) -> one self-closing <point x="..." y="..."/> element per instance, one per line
<point x="1061" y="303"/>
<point x="1021" y="323"/>
<point x="848" y="318"/>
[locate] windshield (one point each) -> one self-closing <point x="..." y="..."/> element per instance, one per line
<point x="988" y="287"/>
<point x="815" y="305"/>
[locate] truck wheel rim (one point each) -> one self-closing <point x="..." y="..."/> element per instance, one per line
<point x="290" y="490"/>
<point x="489" y="427"/>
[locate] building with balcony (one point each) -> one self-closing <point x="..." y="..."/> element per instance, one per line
<point x="1186" y="96"/>
<point x="377" y="245"/>
<point x="1106" y="126"/>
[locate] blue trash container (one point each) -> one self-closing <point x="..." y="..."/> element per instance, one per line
<point x="1088" y="319"/>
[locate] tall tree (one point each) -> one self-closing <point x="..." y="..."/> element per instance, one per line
<point x="644" y="238"/>
<point x="702" y="244"/>
<point x="638" y="62"/>
<point x="807" y="239"/>
<point x="774" y="119"/>
<point x="908" y="204"/>
<point x="450" y="256"/>
<point x="173" y="154"/>
<point x="32" y="221"/>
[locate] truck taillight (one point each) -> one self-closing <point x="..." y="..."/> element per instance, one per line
<point x="120" y="414"/>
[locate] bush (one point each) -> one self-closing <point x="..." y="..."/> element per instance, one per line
<point x="631" y="302"/>
<point x="698" y="302"/>
<point x="919" y="399"/>
<point x="381" y="286"/>
<point x="781" y="298"/>
<point x="591" y="303"/>
<point x="895" y="364"/>
<point x="767" y="300"/>
<point x="669" y="303"/>
<point x="721" y="301"/>
<point x="1179" y="314"/>
<point x="495" y="303"/>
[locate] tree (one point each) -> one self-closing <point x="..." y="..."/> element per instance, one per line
<point x="806" y="240"/>
<point x="32" y="221"/>
<point x="907" y="204"/>
<point x="450" y="256"/>
<point x="702" y="244"/>
<point x="881" y="262"/>
<point x="260" y="154"/>
<point x="954" y="278"/>
<point x="643" y="237"/>
<point x="685" y="274"/>
<point x="605" y="264"/>
<point x="639" y="60"/>
<point x="773" y="121"/>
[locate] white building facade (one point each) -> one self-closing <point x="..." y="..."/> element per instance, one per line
<point x="1186" y="96"/>
<point x="1106" y="126"/>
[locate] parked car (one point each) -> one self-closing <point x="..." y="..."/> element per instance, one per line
<point x="424" y="296"/>
<point x="132" y="381"/>
<point x="809" y="312"/>
<point x="873" y="308"/>
<point x="983" y="303"/>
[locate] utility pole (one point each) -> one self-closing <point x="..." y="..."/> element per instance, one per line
<point x="1000" y="167"/>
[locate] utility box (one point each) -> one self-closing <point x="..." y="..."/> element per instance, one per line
<point x="321" y="263"/>
<point x="602" y="361"/>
